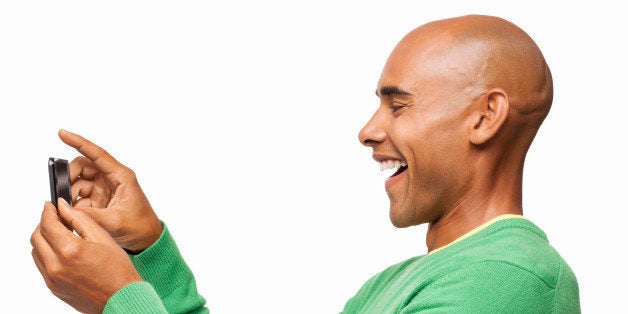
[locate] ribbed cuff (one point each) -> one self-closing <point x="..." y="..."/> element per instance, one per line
<point x="162" y="265"/>
<point x="137" y="297"/>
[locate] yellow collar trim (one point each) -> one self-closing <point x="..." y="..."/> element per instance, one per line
<point x="478" y="229"/>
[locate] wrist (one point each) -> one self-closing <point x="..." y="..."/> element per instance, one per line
<point x="151" y="234"/>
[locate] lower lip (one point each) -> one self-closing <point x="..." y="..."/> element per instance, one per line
<point x="393" y="180"/>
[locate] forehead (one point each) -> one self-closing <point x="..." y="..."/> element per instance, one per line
<point x="426" y="60"/>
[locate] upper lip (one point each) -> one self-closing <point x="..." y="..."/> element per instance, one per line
<point x="379" y="157"/>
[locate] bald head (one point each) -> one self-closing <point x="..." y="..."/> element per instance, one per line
<point x="477" y="53"/>
<point x="461" y="100"/>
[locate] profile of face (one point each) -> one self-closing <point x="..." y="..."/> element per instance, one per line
<point x="419" y="124"/>
<point x="430" y="89"/>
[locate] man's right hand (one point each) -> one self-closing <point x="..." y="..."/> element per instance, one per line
<point x="111" y="194"/>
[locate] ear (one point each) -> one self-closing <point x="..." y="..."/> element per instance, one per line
<point x="492" y="111"/>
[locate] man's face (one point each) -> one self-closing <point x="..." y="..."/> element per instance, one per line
<point x="420" y="126"/>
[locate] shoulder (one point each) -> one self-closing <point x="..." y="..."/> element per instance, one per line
<point x="386" y="290"/>
<point x="508" y="265"/>
<point x="488" y="286"/>
<point x="394" y="272"/>
<point x="515" y="244"/>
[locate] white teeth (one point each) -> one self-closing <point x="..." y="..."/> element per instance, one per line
<point x="391" y="164"/>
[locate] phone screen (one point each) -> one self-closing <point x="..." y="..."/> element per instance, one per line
<point x="59" y="174"/>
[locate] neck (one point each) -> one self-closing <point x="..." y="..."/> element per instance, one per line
<point x="448" y="229"/>
<point x="498" y="195"/>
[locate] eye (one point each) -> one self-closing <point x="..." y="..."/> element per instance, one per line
<point x="396" y="106"/>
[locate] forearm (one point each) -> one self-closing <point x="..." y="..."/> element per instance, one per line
<point x="168" y="281"/>
<point x="139" y="297"/>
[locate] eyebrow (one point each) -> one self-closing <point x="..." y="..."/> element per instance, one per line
<point x="391" y="90"/>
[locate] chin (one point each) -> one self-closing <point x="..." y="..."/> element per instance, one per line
<point x="402" y="217"/>
<point x="399" y="225"/>
<point x="400" y="220"/>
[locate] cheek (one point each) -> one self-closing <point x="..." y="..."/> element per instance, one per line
<point x="418" y="142"/>
<point x="407" y="142"/>
<point x="432" y="142"/>
<point x="435" y="151"/>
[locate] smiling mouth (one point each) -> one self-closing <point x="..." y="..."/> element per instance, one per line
<point x="400" y="170"/>
<point x="397" y="165"/>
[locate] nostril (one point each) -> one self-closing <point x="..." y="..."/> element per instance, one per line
<point x="369" y="142"/>
<point x="372" y="133"/>
<point x="372" y="137"/>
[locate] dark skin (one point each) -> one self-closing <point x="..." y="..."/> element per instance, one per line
<point x="461" y="101"/>
<point x="111" y="215"/>
<point x="110" y="193"/>
<point x="85" y="270"/>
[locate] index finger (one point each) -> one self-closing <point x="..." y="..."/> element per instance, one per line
<point x="52" y="229"/>
<point x="100" y="157"/>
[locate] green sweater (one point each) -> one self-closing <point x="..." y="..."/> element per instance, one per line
<point x="168" y="287"/>
<point x="506" y="267"/>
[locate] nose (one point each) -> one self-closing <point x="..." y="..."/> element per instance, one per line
<point x="374" y="131"/>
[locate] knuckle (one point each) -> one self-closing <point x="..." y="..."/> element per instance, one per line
<point x="80" y="160"/>
<point x="33" y="236"/>
<point x="116" y="223"/>
<point x="55" y="273"/>
<point x="51" y="285"/>
<point x="43" y="230"/>
<point x="129" y="174"/>
<point x="70" y="250"/>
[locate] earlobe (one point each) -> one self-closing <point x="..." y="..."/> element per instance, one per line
<point x="493" y="111"/>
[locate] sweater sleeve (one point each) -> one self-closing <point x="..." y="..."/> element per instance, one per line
<point x="168" y="287"/>
<point x="488" y="287"/>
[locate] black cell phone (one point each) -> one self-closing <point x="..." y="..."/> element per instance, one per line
<point x="59" y="173"/>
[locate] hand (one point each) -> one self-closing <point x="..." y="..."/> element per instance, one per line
<point x="111" y="194"/>
<point x="83" y="269"/>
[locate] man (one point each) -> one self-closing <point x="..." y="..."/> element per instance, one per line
<point x="461" y="101"/>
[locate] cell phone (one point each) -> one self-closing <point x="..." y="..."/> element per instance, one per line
<point x="59" y="173"/>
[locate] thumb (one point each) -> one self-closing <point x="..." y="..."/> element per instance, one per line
<point x="104" y="217"/>
<point x="86" y="227"/>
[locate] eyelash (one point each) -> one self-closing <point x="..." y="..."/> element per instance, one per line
<point x="394" y="107"/>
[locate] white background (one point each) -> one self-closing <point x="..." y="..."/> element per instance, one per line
<point x="241" y="121"/>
